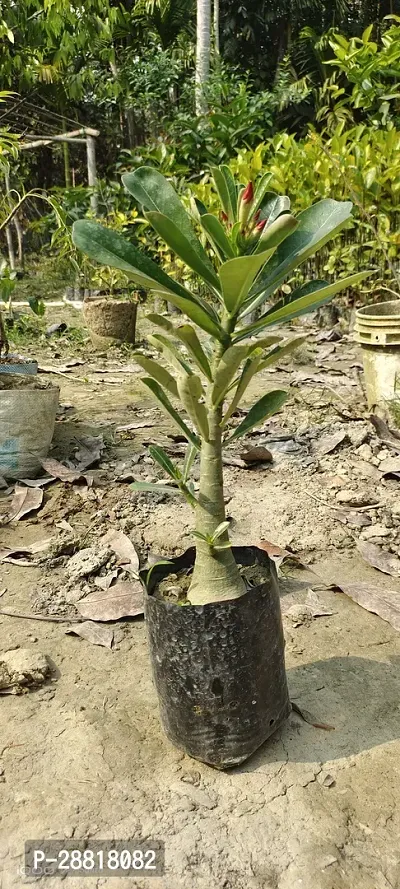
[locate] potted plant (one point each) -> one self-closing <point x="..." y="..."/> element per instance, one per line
<point x="216" y="639"/>
<point x="28" y="407"/>
<point x="110" y="307"/>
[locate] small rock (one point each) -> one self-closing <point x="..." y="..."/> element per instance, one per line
<point x="353" y="498"/>
<point x="327" y="861"/>
<point x="21" y="668"/>
<point x="87" y="561"/>
<point x="33" y="638"/>
<point x="326" y="780"/>
<point x="198" y="796"/>
<point x="365" y="452"/>
<point x="375" y="531"/>
<point x="358" y="435"/>
<point x="191" y="778"/>
<point x="383" y="454"/>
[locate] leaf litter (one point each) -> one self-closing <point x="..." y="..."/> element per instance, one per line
<point x="124" y="599"/>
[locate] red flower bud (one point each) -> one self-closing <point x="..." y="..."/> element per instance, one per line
<point x="257" y="217"/>
<point x="248" y="194"/>
<point x="224" y="216"/>
<point x="261" y="225"/>
<point x="246" y="199"/>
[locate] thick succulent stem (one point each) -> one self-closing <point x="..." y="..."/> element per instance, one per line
<point x="216" y="576"/>
<point x="3" y="337"/>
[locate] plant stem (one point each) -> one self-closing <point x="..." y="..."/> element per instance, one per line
<point x="216" y="576"/>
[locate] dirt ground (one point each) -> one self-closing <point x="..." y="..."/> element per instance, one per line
<point x="84" y="755"/>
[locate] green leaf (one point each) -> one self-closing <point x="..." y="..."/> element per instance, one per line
<point x="272" y="205"/>
<point x="190" y="456"/>
<point x="173" y="236"/>
<point x="190" y="392"/>
<point x="277" y="232"/>
<point x="226" y="370"/>
<point x="158" y="373"/>
<point x="160" y="321"/>
<point x="199" y="315"/>
<point x="227" y="191"/>
<point x="237" y="276"/>
<point x="317" y="225"/>
<point x="265" y="407"/>
<point x="189" y="338"/>
<point x="305" y="299"/>
<point x="161" y="457"/>
<point x="249" y="370"/>
<point x="154" y="488"/>
<point x="220" y="531"/>
<point x="111" y="249"/>
<point x="160" y="395"/>
<point x="253" y="366"/>
<point x="155" y="193"/>
<point x="37" y="305"/>
<point x="217" y="235"/>
<point x="171" y="352"/>
<point x="261" y="192"/>
<point x="276" y="354"/>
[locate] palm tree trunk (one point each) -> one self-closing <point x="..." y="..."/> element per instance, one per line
<point x="217" y="48"/>
<point x="203" y="51"/>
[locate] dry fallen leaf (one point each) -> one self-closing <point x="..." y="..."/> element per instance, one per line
<point x="390" y="466"/>
<point x="308" y="717"/>
<point x="15" y="556"/>
<point x="379" y="558"/>
<point x="124" y="549"/>
<point x="92" y="632"/>
<point x="257" y="455"/>
<point x="130" y="427"/>
<point x="276" y="553"/>
<point x="104" y="582"/>
<point x="124" y="599"/>
<point x="387" y="435"/>
<point x="385" y="603"/>
<point x="329" y="443"/>
<point x="89" y="451"/>
<point x="58" y="470"/>
<point x="25" y="500"/>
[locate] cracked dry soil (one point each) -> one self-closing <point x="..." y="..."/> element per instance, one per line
<point x="85" y="756"/>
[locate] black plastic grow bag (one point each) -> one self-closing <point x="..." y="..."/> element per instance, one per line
<point x="219" y="668"/>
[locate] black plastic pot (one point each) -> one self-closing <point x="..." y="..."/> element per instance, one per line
<point x="219" y="669"/>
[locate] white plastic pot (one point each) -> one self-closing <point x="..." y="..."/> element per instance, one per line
<point x="27" y="419"/>
<point x="377" y="329"/>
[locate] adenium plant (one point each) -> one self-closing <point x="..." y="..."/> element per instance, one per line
<point x="215" y="353"/>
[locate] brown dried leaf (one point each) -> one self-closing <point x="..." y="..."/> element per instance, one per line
<point x="89" y="451"/>
<point x="124" y="599"/>
<point x="390" y="436"/>
<point x="276" y="553"/>
<point x="25" y="500"/>
<point x="92" y="632"/>
<point x="106" y="580"/>
<point x="253" y="456"/>
<point x="391" y="466"/>
<point x="329" y="443"/>
<point x="379" y="558"/>
<point x="15" y="556"/>
<point x="58" y="470"/>
<point x="308" y="717"/>
<point x="124" y="549"/>
<point x="130" y="427"/>
<point x="316" y="606"/>
<point x="384" y="603"/>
